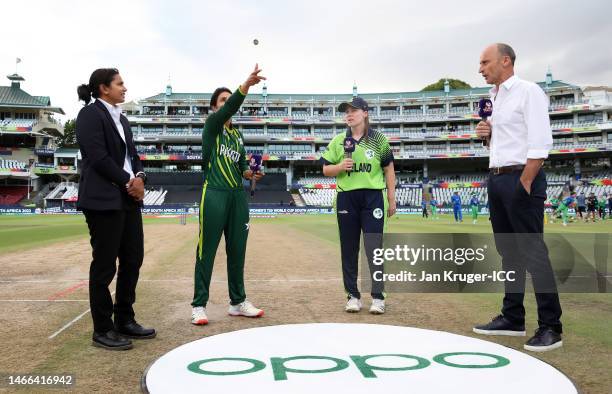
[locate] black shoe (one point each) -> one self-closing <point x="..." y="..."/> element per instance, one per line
<point x="545" y="339"/>
<point x="111" y="340"/>
<point x="500" y="326"/>
<point x="135" y="331"/>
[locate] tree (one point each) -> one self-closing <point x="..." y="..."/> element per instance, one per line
<point x="454" y="84"/>
<point x="68" y="140"/>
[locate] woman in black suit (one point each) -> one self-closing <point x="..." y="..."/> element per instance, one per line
<point x="111" y="190"/>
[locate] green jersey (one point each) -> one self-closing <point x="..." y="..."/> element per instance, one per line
<point x="372" y="153"/>
<point x="223" y="153"/>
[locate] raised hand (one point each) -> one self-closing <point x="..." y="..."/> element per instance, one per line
<point x="253" y="79"/>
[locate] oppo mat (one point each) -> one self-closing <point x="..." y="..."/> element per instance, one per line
<point x="355" y="358"/>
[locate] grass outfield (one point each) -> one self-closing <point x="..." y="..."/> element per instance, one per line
<point x="45" y="262"/>
<point x="23" y="232"/>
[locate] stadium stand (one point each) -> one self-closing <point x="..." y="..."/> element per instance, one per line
<point x="430" y="133"/>
<point x="443" y="196"/>
<point x="318" y="197"/>
<point x="9" y="124"/>
<point x="412" y="194"/>
<point x="12" y="195"/>
<point x="69" y="191"/>
<point x="316" y="180"/>
<point x="13" y="165"/>
<point x="64" y="191"/>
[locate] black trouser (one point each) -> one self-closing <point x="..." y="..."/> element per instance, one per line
<point x="357" y="211"/>
<point x="514" y="211"/>
<point x="114" y="234"/>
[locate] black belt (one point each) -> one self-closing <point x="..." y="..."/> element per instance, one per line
<point x="505" y="170"/>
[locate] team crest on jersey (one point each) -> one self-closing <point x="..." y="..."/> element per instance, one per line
<point x="378" y="213"/>
<point x="369" y="153"/>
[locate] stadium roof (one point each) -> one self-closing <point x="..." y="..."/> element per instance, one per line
<point x="477" y="91"/>
<point x="14" y="96"/>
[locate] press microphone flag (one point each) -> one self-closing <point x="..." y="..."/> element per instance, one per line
<point x="485" y="110"/>
<point x="349" y="147"/>
<point x="255" y="163"/>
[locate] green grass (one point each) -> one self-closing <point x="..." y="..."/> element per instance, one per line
<point x="586" y="317"/>
<point x="325" y="226"/>
<point x="23" y="232"/>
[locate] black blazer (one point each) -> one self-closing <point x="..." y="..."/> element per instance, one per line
<point x="103" y="180"/>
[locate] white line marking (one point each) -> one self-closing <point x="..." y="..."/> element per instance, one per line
<point x="223" y="280"/>
<point x="179" y="280"/>
<point x="76" y="319"/>
<point x="42" y="281"/>
<point x="44" y="300"/>
<point x="69" y="324"/>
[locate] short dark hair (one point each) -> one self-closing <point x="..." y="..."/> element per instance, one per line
<point x="216" y="94"/>
<point x="506" y="50"/>
<point x="101" y="76"/>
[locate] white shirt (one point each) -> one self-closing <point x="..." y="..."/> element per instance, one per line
<point x="520" y="126"/>
<point x="115" y="112"/>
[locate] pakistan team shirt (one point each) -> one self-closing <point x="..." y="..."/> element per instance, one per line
<point x="223" y="153"/>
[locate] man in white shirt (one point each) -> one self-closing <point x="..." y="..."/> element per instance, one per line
<point x="520" y="138"/>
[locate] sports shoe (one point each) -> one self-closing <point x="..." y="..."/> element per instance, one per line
<point x="353" y="305"/>
<point x="245" y="308"/>
<point x="545" y="339"/>
<point x="500" y="326"/>
<point x="198" y="316"/>
<point x="377" y="307"/>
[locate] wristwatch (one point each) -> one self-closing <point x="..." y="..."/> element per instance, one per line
<point x="142" y="176"/>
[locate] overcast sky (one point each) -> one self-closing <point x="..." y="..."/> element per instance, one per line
<point x="310" y="46"/>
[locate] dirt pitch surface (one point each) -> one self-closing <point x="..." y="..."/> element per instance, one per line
<point x="294" y="275"/>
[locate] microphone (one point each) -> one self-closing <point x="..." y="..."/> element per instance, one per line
<point x="255" y="163"/>
<point x="349" y="147"/>
<point x="485" y="110"/>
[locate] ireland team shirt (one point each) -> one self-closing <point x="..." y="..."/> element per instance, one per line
<point x="372" y="153"/>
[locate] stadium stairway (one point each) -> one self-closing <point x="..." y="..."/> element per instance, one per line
<point x="298" y="200"/>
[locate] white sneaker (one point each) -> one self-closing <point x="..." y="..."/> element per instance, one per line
<point x="377" y="307"/>
<point x="198" y="316"/>
<point x="353" y="305"/>
<point x="245" y="309"/>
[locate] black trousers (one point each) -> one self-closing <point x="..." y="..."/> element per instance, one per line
<point x="114" y="234"/>
<point x="357" y="211"/>
<point x="518" y="225"/>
